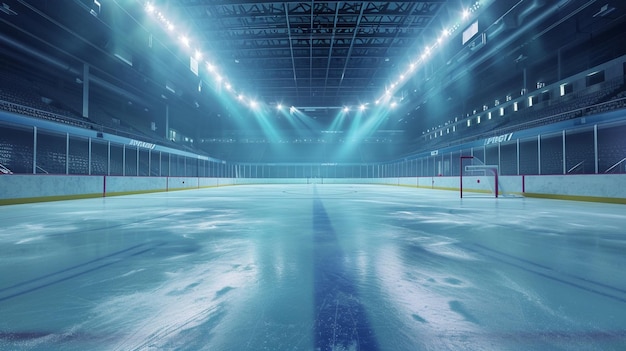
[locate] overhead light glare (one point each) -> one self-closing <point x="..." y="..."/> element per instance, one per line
<point x="184" y="40"/>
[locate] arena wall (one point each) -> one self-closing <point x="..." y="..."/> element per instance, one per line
<point x="15" y="189"/>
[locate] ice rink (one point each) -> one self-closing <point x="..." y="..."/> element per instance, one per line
<point x="312" y="267"/>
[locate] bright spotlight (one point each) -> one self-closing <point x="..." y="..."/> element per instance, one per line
<point x="198" y="55"/>
<point x="466" y="13"/>
<point x="393" y="104"/>
<point x="210" y="67"/>
<point x="240" y="97"/>
<point x="254" y="104"/>
<point x="184" y="40"/>
<point x="362" y="107"/>
<point x="149" y="8"/>
<point x="346" y="109"/>
<point x="279" y="107"/>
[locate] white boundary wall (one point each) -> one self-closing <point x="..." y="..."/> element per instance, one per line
<point x="610" y="187"/>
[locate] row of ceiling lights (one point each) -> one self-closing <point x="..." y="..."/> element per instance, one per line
<point x="386" y="98"/>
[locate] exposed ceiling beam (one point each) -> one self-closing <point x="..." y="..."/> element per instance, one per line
<point x="356" y="30"/>
<point x="293" y="61"/>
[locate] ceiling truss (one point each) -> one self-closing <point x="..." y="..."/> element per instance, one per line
<point x="314" y="52"/>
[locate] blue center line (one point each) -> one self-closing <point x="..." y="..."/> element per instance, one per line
<point x="341" y="321"/>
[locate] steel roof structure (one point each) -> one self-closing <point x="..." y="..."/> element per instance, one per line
<point x="317" y="56"/>
<point x="317" y="53"/>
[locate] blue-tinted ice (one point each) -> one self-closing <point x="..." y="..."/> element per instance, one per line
<point x="312" y="267"/>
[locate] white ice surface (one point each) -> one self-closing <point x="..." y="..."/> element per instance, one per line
<point x="232" y="269"/>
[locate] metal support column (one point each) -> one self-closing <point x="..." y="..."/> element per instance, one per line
<point x="34" y="150"/>
<point x="595" y="147"/>
<point x="86" y="79"/>
<point x="539" y="154"/>
<point x="123" y="159"/>
<point x="564" y="162"/>
<point x="89" y="158"/>
<point x="67" y="153"/>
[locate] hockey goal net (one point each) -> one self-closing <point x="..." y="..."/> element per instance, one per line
<point x="478" y="179"/>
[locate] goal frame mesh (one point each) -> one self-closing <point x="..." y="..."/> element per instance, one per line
<point x="488" y="171"/>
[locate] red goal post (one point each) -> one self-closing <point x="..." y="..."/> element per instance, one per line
<point x="476" y="166"/>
